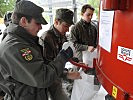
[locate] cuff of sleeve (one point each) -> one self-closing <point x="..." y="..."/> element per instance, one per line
<point x="65" y="75"/>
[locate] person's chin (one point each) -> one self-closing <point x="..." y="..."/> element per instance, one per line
<point x="87" y="21"/>
<point x="62" y="33"/>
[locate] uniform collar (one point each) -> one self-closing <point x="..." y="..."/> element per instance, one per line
<point x="84" y="22"/>
<point x="58" y="34"/>
<point x="21" y="32"/>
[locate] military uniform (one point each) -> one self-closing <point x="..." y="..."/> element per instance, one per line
<point x="83" y="34"/>
<point x="52" y="40"/>
<point x="22" y="65"/>
<point x="25" y="75"/>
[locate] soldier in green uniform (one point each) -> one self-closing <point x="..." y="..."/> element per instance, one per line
<point x="52" y="40"/>
<point x="25" y="74"/>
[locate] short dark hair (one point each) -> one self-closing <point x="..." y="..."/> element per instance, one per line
<point x="86" y="6"/>
<point x="17" y="16"/>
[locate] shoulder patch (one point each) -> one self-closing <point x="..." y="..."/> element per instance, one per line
<point x="26" y="54"/>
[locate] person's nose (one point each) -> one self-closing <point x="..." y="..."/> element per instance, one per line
<point x="90" y="16"/>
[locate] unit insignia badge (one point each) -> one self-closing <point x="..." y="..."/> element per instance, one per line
<point x="27" y="54"/>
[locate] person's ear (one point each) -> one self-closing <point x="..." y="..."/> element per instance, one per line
<point x="23" y="21"/>
<point x="56" y="22"/>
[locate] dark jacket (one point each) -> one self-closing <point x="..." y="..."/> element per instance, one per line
<point x="23" y="67"/>
<point x="52" y="42"/>
<point x="83" y="34"/>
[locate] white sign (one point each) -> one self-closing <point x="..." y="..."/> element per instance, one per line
<point x="125" y="55"/>
<point x="105" y="28"/>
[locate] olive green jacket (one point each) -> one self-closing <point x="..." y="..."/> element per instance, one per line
<point x="22" y="65"/>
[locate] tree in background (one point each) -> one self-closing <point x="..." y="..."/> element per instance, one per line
<point x="6" y="5"/>
<point x="95" y="4"/>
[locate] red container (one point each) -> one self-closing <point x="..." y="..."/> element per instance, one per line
<point x="114" y="68"/>
<point x="115" y="4"/>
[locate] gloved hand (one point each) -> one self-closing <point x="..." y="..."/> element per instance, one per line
<point x="69" y="44"/>
<point x="68" y="53"/>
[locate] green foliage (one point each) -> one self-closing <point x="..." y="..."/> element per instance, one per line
<point x="6" y="5"/>
<point x="95" y="4"/>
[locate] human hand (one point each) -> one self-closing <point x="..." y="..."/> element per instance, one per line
<point x="91" y="48"/>
<point x="73" y="75"/>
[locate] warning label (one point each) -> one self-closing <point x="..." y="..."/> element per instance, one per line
<point x="114" y="92"/>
